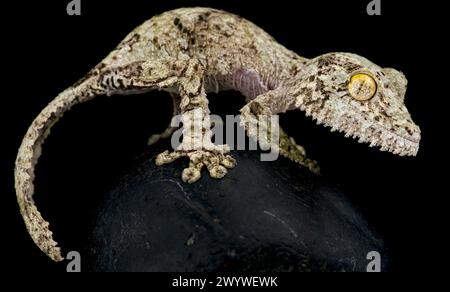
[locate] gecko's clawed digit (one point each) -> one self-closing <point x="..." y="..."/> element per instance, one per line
<point x="215" y="160"/>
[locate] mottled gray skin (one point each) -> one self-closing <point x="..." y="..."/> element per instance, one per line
<point x="192" y="51"/>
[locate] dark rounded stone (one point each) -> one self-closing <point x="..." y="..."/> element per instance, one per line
<point x="263" y="216"/>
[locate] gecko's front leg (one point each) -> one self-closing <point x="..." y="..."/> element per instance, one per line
<point x="196" y="143"/>
<point x="267" y="104"/>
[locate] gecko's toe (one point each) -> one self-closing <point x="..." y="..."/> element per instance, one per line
<point x="217" y="171"/>
<point x="218" y="163"/>
<point x="191" y="174"/>
<point x="313" y="166"/>
<point x="167" y="157"/>
<point x="228" y="161"/>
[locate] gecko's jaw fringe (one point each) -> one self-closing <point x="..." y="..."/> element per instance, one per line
<point x="376" y="136"/>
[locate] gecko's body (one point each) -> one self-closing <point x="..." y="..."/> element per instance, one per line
<point x="192" y="51"/>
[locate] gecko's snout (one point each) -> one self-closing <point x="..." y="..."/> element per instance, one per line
<point x="403" y="133"/>
<point x="397" y="82"/>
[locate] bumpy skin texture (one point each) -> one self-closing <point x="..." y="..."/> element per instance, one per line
<point x="192" y="51"/>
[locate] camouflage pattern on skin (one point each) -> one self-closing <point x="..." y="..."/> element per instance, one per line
<point x="189" y="52"/>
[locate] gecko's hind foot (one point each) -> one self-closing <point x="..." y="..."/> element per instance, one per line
<point x="291" y="150"/>
<point x="312" y="165"/>
<point x="216" y="161"/>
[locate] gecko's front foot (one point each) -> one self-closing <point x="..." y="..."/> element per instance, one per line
<point x="214" y="158"/>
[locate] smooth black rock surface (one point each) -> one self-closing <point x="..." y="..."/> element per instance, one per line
<point x="263" y="216"/>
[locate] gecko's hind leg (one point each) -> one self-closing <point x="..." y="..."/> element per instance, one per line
<point x="156" y="137"/>
<point x="267" y="104"/>
<point x="196" y="143"/>
<point x="169" y="130"/>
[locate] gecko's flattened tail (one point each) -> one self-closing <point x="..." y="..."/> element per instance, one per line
<point x="27" y="157"/>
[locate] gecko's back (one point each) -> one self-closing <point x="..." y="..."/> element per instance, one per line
<point x="223" y="42"/>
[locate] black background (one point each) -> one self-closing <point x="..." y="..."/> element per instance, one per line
<point x="94" y="144"/>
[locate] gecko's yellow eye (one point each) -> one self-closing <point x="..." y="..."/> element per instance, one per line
<point x="362" y="86"/>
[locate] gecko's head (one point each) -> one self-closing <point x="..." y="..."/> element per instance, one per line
<point x="351" y="94"/>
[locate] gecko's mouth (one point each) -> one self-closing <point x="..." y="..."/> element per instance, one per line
<point x="355" y="126"/>
<point x="385" y="140"/>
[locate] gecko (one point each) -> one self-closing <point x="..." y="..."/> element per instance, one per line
<point x="190" y="52"/>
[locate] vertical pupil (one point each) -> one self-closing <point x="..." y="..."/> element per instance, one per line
<point x="362" y="84"/>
